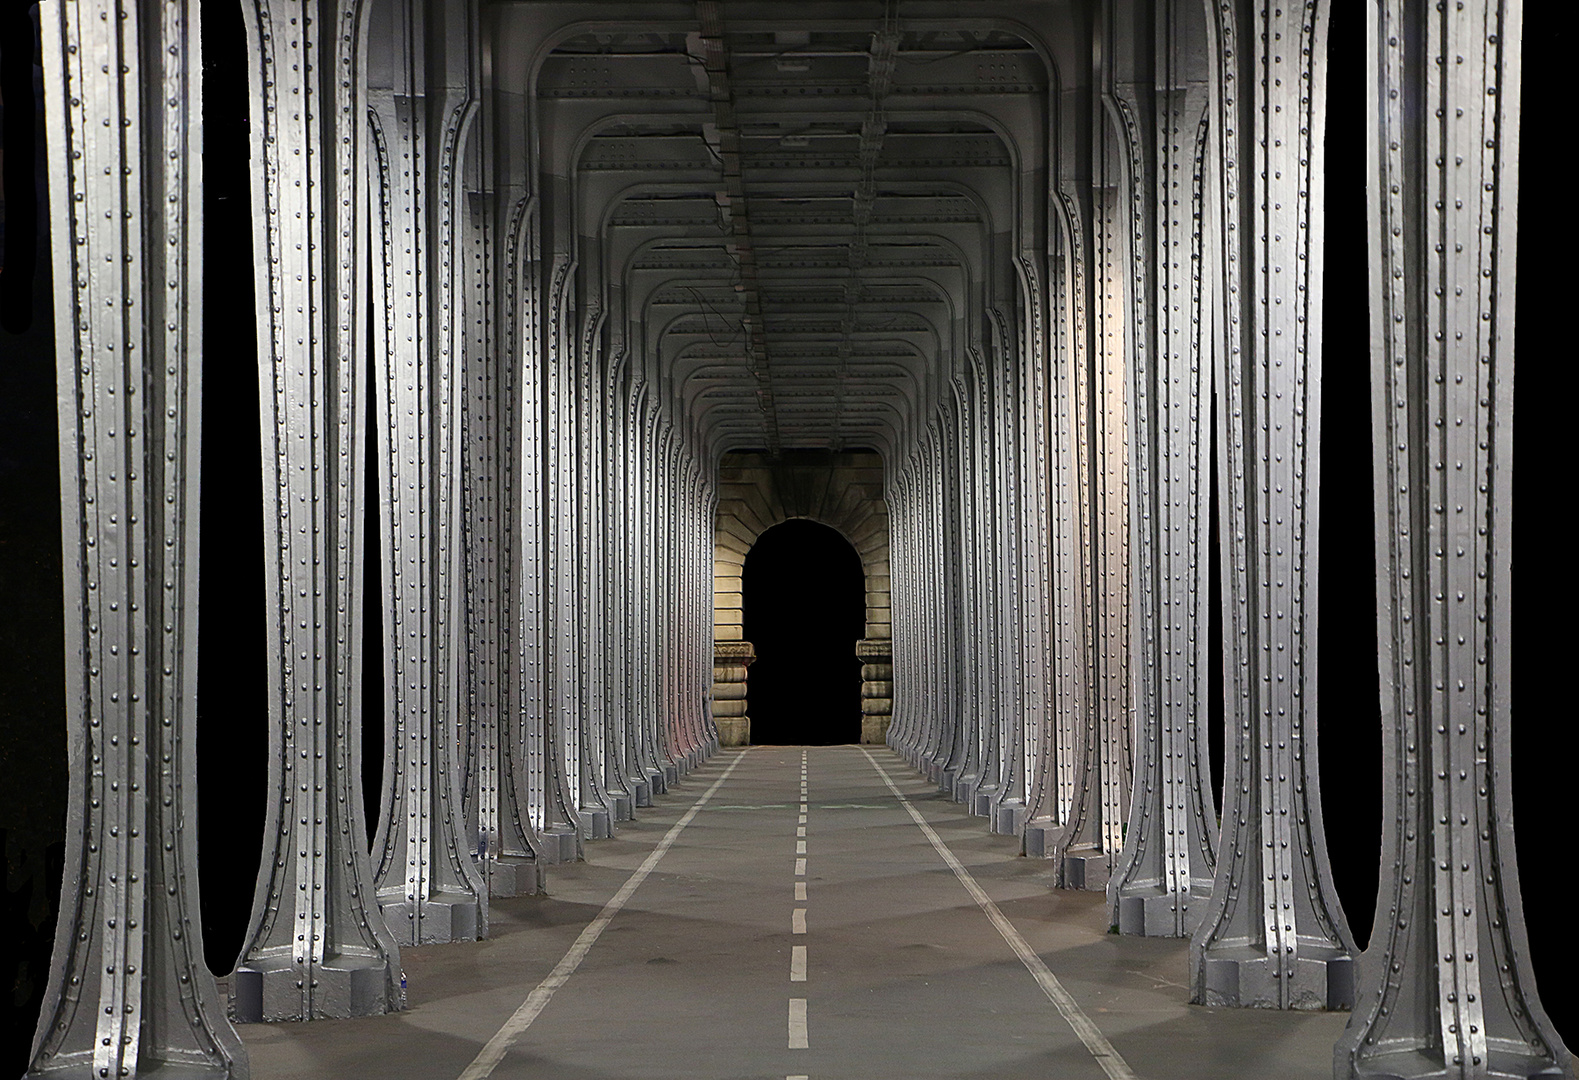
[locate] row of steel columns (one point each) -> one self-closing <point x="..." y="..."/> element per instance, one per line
<point x="546" y="646"/>
<point x="1183" y="294"/>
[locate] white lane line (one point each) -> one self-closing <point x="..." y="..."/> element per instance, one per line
<point x="493" y="1052"/>
<point x="800" y="847"/>
<point x="1102" y="1050"/>
<point x="800" y="830"/>
<point x="803" y="819"/>
<point x="797" y="1024"/>
<point x="800" y="890"/>
<point x="798" y="963"/>
<point x="798" y="921"/>
<point x="800" y="867"/>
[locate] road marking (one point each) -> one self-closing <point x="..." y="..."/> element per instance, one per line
<point x="800" y="867"/>
<point x="798" y="921"/>
<point x="1096" y="1043"/>
<point x="493" y="1052"/>
<point x="803" y="817"/>
<point x="800" y="830"/>
<point x="797" y="1024"/>
<point x="800" y="847"/>
<point x="798" y="964"/>
<point x="800" y="890"/>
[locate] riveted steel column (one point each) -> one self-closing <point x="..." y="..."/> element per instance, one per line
<point x="128" y="990"/>
<point x="1056" y="796"/>
<point x="315" y="947"/>
<point x="1035" y="524"/>
<point x="1445" y="987"/>
<point x="510" y="851"/>
<point x="1273" y="935"/>
<point x="429" y="885"/>
<point x="1088" y="845"/>
<point x="1167" y="865"/>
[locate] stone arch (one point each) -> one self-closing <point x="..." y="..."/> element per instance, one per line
<point x="843" y="490"/>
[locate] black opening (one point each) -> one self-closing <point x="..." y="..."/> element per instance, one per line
<point x="1215" y="730"/>
<point x="232" y="726"/>
<point x="1348" y="694"/>
<point x="805" y="608"/>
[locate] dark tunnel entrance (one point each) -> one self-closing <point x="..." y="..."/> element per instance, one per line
<point x="804" y="610"/>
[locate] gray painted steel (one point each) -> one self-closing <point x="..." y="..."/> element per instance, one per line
<point x="1010" y="249"/>
<point x="128" y="989"/>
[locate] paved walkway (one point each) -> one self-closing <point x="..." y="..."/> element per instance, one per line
<point x="818" y="913"/>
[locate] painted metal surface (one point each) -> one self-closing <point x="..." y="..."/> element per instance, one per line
<point x="1274" y="935"/>
<point x="1167" y="865"/>
<point x="316" y="945"/>
<point x="1445" y="988"/>
<point x="128" y="989"/>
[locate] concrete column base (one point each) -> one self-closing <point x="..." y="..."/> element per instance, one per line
<point x="561" y="845"/>
<point x="514" y="875"/>
<point x="1245" y="977"/>
<point x="641" y="791"/>
<point x="1008" y="817"/>
<point x="1039" y="838"/>
<point x="595" y="824"/>
<point x="1152" y="915"/>
<point x="624" y="807"/>
<point x="874" y="730"/>
<point x="445" y="918"/>
<point x="271" y="989"/>
<point x="1085" y="868"/>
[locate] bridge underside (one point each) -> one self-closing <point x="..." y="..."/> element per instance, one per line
<point x="1001" y="290"/>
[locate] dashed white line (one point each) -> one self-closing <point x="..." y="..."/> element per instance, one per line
<point x="798" y="921"/>
<point x="1096" y="1043"/>
<point x="798" y="964"/>
<point x="797" y="1024"/>
<point x="800" y="890"/>
<point x="493" y="1052"/>
<point x="800" y="830"/>
<point x="800" y="867"/>
<point x="800" y="847"/>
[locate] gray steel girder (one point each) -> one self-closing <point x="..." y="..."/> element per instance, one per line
<point x="128" y="990"/>
<point x="316" y="947"/>
<point x="1273" y="935"/>
<point x="1445" y="988"/>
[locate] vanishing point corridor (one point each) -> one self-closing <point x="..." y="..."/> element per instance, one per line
<point x="794" y="912"/>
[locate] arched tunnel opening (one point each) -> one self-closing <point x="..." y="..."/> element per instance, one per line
<point x="805" y="609"/>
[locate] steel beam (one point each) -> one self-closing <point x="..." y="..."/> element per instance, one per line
<point x="128" y="991"/>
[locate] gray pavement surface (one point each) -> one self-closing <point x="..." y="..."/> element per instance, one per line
<point x="906" y="977"/>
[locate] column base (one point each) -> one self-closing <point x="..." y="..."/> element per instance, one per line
<point x="595" y="823"/>
<point x="624" y="807"/>
<point x="657" y="782"/>
<point x="445" y="918"/>
<point x="733" y="730"/>
<point x="1413" y="1065"/>
<point x="562" y="844"/>
<point x="641" y="791"/>
<point x="671" y="775"/>
<point x="1085" y="868"/>
<point x="874" y="730"/>
<point x="965" y="788"/>
<point x="271" y="989"/>
<point x="1152" y="915"/>
<point x="514" y="875"/>
<point x="1039" y="837"/>
<point x="1243" y="977"/>
<point x="1008" y="817"/>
